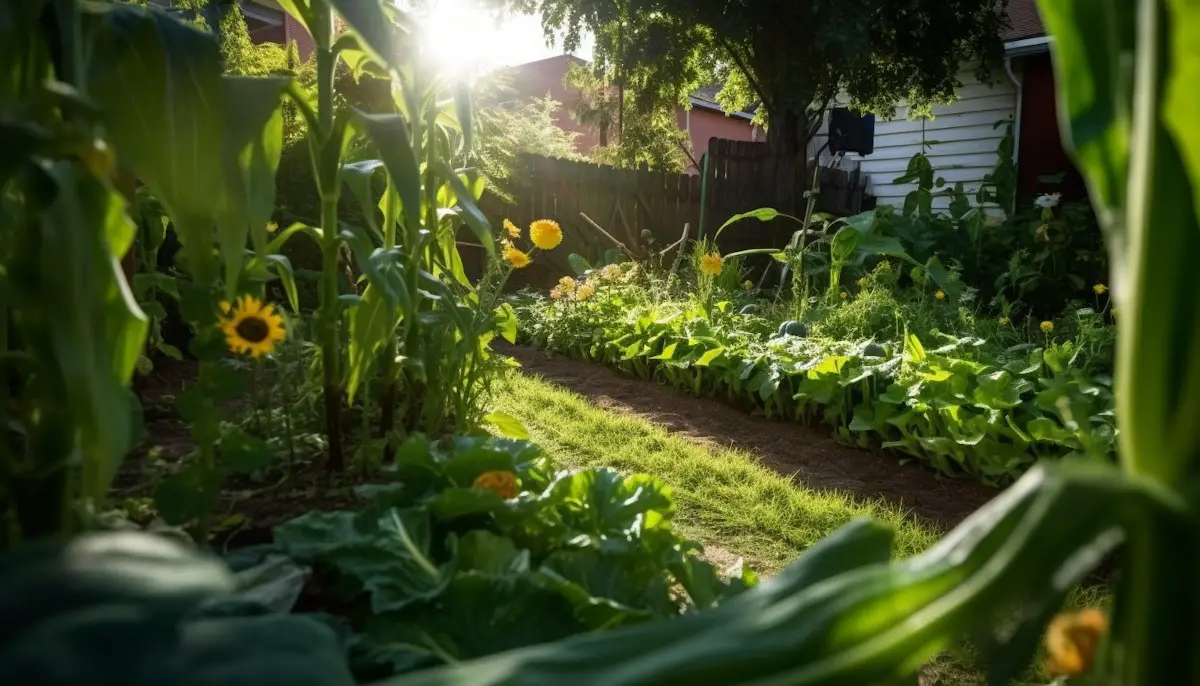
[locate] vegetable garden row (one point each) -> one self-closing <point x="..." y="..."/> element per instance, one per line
<point x="139" y="222"/>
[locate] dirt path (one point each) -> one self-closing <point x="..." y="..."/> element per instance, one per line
<point x="808" y="454"/>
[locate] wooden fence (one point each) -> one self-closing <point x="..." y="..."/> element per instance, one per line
<point x="629" y="202"/>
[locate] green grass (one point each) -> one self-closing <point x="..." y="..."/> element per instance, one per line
<point x="724" y="497"/>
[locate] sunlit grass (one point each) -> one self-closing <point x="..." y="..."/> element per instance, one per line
<point x="724" y="496"/>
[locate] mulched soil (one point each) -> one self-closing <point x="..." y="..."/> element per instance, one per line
<point x="808" y="454"/>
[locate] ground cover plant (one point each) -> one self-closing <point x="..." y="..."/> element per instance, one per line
<point x="105" y="95"/>
<point x="897" y="359"/>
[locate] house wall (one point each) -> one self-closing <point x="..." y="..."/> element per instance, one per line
<point x="1041" y="151"/>
<point x="536" y="79"/>
<point x="967" y="134"/>
<point x="703" y="125"/>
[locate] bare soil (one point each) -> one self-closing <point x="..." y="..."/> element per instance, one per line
<point x="809" y="455"/>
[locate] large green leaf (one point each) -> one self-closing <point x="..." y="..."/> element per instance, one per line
<point x="253" y="143"/>
<point x="374" y="26"/>
<point x="390" y="134"/>
<point x="478" y="615"/>
<point x="158" y="83"/>
<point x="762" y="214"/>
<point x="372" y="326"/>
<point x="90" y="610"/>
<point x="468" y="208"/>
<point x="387" y="552"/>
<point x="95" y="327"/>
<point x="608" y="590"/>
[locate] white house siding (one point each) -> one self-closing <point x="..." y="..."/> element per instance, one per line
<point x="967" y="134"/>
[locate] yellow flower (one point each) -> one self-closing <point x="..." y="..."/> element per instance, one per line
<point x="844" y="295"/>
<point x="513" y="230"/>
<point x="1099" y="289"/>
<point x="585" y="291"/>
<point x="1004" y="321"/>
<point x="272" y="227"/>
<point x="517" y="258"/>
<point x="1047" y="326"/>
<point x="502" y="483"/>
<point x="223" y="306"/>
<point x="748" y="284"/>
<point x="710" y="264"/>
<point x="252" y="327"/>
<point x="940" y="295"/>
<point x="1071" y="641"/>
<point x="567" y="284"/>
<point x="545" y="234"/>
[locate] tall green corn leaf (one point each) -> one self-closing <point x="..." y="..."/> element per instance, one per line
<point x="158" y="82"/>
<point x="253" y="143"/>
<point x="93" y="322"/>
<point x="1135" y="161"/>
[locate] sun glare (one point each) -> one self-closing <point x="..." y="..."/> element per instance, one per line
<point x="463" y="38"/>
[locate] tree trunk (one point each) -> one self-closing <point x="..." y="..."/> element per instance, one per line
<point x="787" y="139"/>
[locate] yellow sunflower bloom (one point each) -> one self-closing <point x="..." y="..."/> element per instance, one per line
<point x="545" y="234"/>
<point x="502" y="483"/>
<point x="567" y="284"/>
<point x="940" y="295"/>
<point x="1047" y="326"/>
<point x="710" y="264"/>
<point x="513" y="230"/>
<point x="1071" y="641"/>
<point x="252" y="327"/>
<point x="1099" y="289"/>
<point x="585" y="291"/>
<point x="517" y="258"/>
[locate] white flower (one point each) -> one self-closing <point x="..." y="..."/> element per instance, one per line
<point x="1048" y="200"/>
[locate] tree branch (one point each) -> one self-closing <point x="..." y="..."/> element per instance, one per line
<point x="743" y="64"/>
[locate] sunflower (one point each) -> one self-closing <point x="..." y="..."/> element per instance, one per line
<point x="1071" y="641"/>
<point x="1099" y="289"/>
<point x="1048" y="326"/>
<point x="517" y="258"/>
<point x="710" y="264"/>
<point x="502" y="483"/>
<point x="252" y="327"/>
<point x="545" y="234"/>
<point x="940" y="295"/>
<point x="512" y="229"/>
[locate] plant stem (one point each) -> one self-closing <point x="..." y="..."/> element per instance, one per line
<point x="327" y="185"/>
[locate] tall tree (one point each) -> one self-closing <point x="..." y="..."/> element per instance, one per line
<point x="793" y="56"/>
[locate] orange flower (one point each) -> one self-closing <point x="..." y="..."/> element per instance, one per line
<point x="502" y="483"/>
<point x="1071" y="641"/>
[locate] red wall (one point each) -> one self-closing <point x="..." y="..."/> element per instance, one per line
<point x="536" y="79"/>
<point x="706" y="124"/>
<point x="1041" y="146"/>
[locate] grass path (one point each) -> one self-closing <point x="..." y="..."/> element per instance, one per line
<point x="725" y="499"/>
